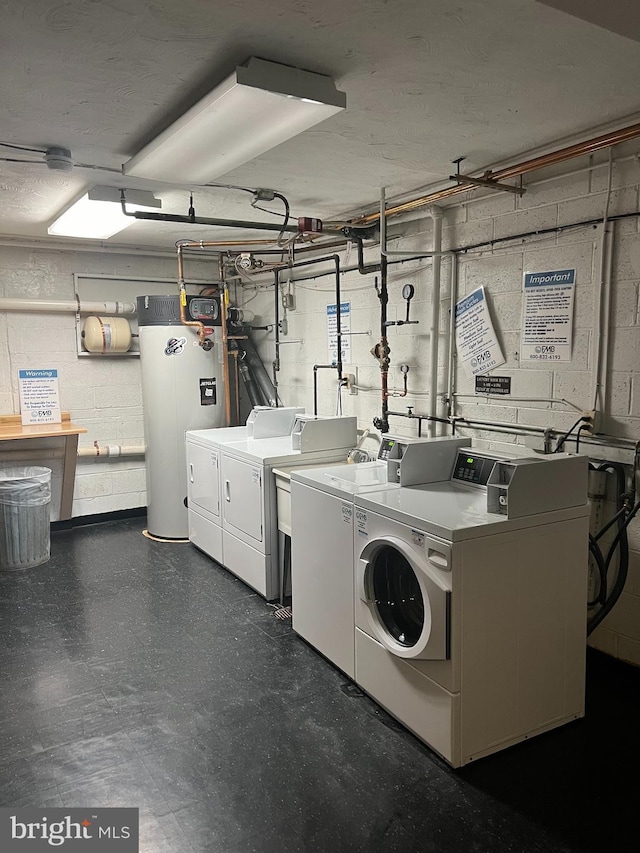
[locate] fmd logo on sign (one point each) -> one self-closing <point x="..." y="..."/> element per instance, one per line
<point x="79" y="830"/>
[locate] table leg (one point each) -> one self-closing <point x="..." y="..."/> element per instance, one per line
<point x="68" y="476"/>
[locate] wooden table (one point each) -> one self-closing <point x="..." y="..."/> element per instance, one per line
<point x="11" y="429"/>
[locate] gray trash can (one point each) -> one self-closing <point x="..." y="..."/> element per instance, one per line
<point x="25" y="533"/>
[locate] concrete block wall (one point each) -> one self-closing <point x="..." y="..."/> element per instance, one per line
<point x="573" y="192"/>
<point x="103" y="395"/>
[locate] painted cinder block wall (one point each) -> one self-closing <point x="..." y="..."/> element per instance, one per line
<point x="102" y="394"/>
<point x="577" y="191"/>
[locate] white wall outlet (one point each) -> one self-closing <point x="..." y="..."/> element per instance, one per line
<point x="350" y="373"/>
<point x="590" y="425"/>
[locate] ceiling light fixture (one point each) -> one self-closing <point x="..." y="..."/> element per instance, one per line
<point x="259" y="106"/>
<point x="98" y="213"/>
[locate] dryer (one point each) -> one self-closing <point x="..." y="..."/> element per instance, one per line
<point x="470" y="624"/>
<point x="203" y="470"/>
<point x="322" y="524"/>
<point x="249" y="501"/>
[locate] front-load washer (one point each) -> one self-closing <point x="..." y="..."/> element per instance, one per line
<point x="249" y="499"/>
<point x="470" y="625"/>
<point x="203" y="470"/>
<point x="322" y="524"/>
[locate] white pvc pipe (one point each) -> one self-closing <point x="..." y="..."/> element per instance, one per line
<point x="102" y="451"/>
<point x="111" y="450"/>
<point x="71" y="306"/>
<point x="451" y="360"/>
<point x="504" y="401"/>
<point x="434" y="329"/>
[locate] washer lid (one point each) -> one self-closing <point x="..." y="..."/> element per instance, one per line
<point x="346" y="480"/>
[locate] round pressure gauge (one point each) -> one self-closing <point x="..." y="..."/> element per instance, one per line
<point x="407" y="292"/>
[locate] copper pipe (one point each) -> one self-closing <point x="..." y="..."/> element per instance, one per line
<point x="606" y="140"/>
<point x="202" y="334"/>
<point x="402" y="393"/>
<point x="225" y="355"/>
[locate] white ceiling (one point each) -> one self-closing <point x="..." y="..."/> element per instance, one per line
<point x="426" y="81"/>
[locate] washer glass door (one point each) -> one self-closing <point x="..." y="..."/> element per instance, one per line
<point x="397" y="595"/>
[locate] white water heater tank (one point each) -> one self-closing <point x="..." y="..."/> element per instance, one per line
<point x="181" y="390"/>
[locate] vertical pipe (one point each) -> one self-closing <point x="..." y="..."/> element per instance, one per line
<point x="384" y="299"/>
<point x="600" y="333"/>
<point x="315" y="389"/>
<point x="224" y="300"/>
<point x="434" y="328"/>
<point x="338" y="323"/>
<point x="451" y="364"/>
<point x="276" y="327"/>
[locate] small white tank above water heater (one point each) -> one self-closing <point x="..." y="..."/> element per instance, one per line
<point x="181" y="390"/>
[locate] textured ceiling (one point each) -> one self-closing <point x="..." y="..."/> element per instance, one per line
<point x="426" y="81"/>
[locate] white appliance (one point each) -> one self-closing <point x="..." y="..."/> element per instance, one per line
<point x="322" y="524"/>
<point x="470" y="625"/>
<point x="203" y="470"/>
<point x="181" y="390"/>
<point x="249" y="503"/>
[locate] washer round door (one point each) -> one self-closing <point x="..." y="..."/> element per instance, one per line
<point x="407" y="602"/>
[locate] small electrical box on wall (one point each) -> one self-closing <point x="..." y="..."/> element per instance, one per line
<point x="309" y="225"/>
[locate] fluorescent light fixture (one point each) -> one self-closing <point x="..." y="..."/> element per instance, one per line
<point x="98" y="214"/>
<point x="256" y="108"/>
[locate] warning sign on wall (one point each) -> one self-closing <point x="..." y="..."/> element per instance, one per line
<point x="39" y="396"/>
<point x="476" y="342"/>
<point x="547" y="323"/>
<point x="332" y="331"/>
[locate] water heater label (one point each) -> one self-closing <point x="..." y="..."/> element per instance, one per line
<point x="208" y="396"/>
<point x="175" y="346"/>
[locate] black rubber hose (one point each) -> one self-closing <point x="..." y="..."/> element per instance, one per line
<point x="623" y="568"/>
<point x="596" y="553"/>
<point x="620" y="540"/>
<point x="259" y="372"/>
<point x="253" y="391"/>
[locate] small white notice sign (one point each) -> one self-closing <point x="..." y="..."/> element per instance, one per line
<point x="39" y="396"/>
<point x="476" y="341"/>
<point x="345" y="329"/>
<point x="547" y="323"/>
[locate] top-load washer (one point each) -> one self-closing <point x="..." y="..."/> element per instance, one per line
<point x="203" y="469"/>
<point x="322" y="524"/>
<point x="249" y="501"/>
<point x="471" y="601"/>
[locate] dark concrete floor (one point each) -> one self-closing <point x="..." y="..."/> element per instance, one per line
<point x="142" y="674"/>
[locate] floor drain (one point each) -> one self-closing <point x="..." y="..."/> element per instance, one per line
<point x="283" y="613"/>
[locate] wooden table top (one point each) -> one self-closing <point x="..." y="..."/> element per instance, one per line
<point x="11" y="428"/>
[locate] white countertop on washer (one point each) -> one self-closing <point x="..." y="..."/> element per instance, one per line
<point x="453" y="512"/>
<point x="277" y="451"/>
<point x="218" y="437"/>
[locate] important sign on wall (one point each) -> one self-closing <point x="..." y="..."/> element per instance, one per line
<point x="476" y="342"/>
<point x="332" y="331"/>
<point x="39" y="396"/>
<point x="547" y="322"/>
